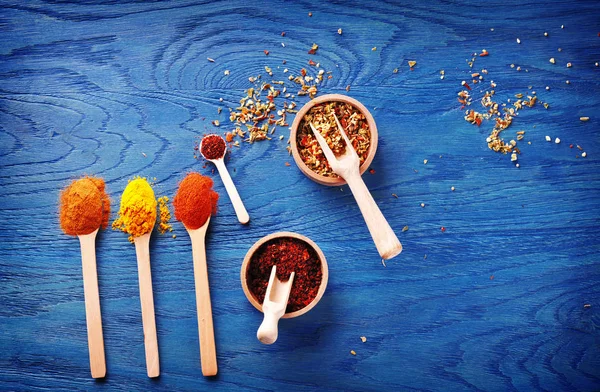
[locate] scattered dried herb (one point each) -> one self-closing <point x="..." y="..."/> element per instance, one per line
<point x="321" y="116"/>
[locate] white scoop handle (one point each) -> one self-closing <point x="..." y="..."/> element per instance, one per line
<point x="236" y="200"/>
<point x="385" y="239"/>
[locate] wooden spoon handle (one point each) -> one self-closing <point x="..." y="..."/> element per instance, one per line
<point x="92" y="305"/>
<point x="238" y="205"/>
<point x="384" y="237"/>
<point x="208" y="352"/>
<point x="142" y="250"/>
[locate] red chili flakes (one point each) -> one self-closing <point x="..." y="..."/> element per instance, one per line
<point x="310" y="62"/>
<point x="492" y="277"/>
<point x="484" y="53"/>
<point x="466" y="85"/>
<point x="287" y="164"/>
<point x="372" y="171"/>
<point x="443" y="229"/>
<point x="290" y="255"/>
<point x="570" y="146"/>
<point x="283" y="33"/>
<point x="266" y="52"/>
<point x="303" y="72"/>
<point x="229" y="137"/>
<point x="313" y="49"/>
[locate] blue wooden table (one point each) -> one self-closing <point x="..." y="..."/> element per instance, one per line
<point x="506" y="297"/>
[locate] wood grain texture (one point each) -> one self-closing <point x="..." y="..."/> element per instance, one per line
<point x="86" y="87"/>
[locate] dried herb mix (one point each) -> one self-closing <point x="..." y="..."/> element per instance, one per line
<point x="355" y="125"/>
<point x="290" y="255"/>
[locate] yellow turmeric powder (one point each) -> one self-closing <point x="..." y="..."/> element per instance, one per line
<point x="165" y="215"/>
<point x="137" y="214"/>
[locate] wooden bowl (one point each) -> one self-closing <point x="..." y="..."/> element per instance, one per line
<point x="328" y="98"/>
<point x="283" y="234"/>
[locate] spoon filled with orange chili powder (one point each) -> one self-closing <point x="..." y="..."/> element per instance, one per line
<point x="194" y="203"/>
<point x="84" y="209"/>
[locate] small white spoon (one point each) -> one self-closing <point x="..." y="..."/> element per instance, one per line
<point x="238" y="206"/>
<point x="273" y="307"/>
<point x="142" y="250"/>
<point x="92" y="304"/>
<point x="208" y="353"/>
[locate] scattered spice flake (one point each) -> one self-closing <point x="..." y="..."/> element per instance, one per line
<point x="144" y="154"/>
<point x="372" y="171"/>
<point x="340" y="31"/>
<point x="165" y="215"/>
<point x="266" y="52"/>
<point x="584" y="118"/>
<point x="584" y="154"/>
<point x="443" y="229"/>
<point x="363" y="338"/>
<point x="395" y="195"/>
<point x="395" y="70"/>
<point x="405" y="228"/>
<point x="352" y="352"/>
<point x="425" y="161"/>
<point x="374" y="48"/>
<point x="348" y="88"/>
<point x="310" y="62"/>
<point x="383" y="262"/>
<point x="491" y="277"/>
<point x="313" y="49"/>
<point x="484" y="53"/>
<point x="518" y="41"/>
<point x="216" y="123"/>
<point x="452" y="189"/>
<point x="226" y="72"/>
<point x="569" y="65"/>
<point x="587" y="306"/>
<point x="283" y="33"/>
<point x="552" y="60"/>
<point x="412" y="63"/>
<point x="310" y="14"/>
<point x="422" y="205"/>
<point x="211" y="60"/>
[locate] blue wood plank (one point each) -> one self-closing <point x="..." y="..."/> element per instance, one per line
<point x="506" y="298"/>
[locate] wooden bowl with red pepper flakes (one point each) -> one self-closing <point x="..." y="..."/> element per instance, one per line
<point x="358" y="124"/>
<point x="290" y="252"/>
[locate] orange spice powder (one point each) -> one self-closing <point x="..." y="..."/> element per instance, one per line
<point x="195" y="200"/>
<point x="84" y="206"/>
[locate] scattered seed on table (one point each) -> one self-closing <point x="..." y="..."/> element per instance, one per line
<point x="584" y="118"/>
<point x="587" y="306"/>
<point x="309" y="14"/>
<point x="211" y="60"/>
<point x="405" y="228"/>
<point x="562" y="26"/>
<point x="340" y="31"/>
<point x="584" y="154"/>
<point x="568" y="82"/>
<point x="569" y="65"/>
<point x="412" y="63"/>
<point x="363" y="338"/>
<point x="352" y="352"/>
<point x="452" y="189"/>
<point x="425" y="161"/>
<point x="548" y="138"/>
<point x="423" y="205"/>
<point x="547" y="88"/>
<point x="443" y="229"/>
<point x="557" y="140"/>
<point x="517" y="165"/>
<point x="518" y="41"/>
<point x="395" y="195"/>
<point x="552" y="60"/>
<point x="374" y="48"/>
<point x="545" y="34"/>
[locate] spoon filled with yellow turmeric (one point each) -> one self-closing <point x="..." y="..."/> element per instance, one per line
<point x="84" y="209"/>
<point x="137" y="216"/>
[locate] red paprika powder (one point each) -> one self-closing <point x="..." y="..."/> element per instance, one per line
<point x="195" y="200"/>
<point x="213" y="147"/>
<point x="290" y="255"/>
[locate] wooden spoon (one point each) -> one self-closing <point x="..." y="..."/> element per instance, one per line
<point x="92" y="304"/>
<point x="273" y="307"/>
<point x="208" y="353"/>
<point x="238" y="205"/>
<point x="142" y="250"/>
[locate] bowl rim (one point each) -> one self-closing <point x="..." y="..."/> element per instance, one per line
<point x="284" y="234"/>
<point x="294" y="130"/>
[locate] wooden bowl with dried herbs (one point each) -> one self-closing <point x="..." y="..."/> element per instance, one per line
<point x="358" y="125"/>
<point x="290" y="252"/>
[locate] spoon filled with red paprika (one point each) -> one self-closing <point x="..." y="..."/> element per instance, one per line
<point x="213" y="148"/>
<point x="194" y="203"/>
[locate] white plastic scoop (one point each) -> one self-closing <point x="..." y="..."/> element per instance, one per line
<point x="273" y="307"/>
<point x="347" y="166"/>
<point x="234" y="196"/>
